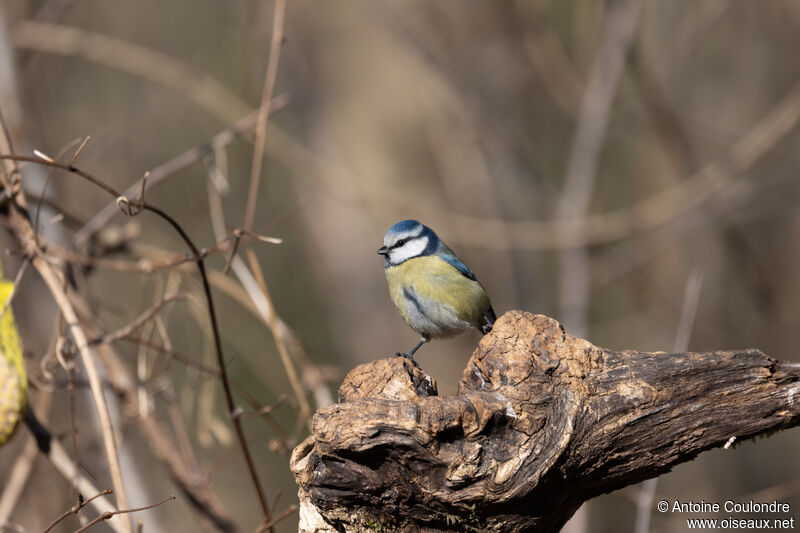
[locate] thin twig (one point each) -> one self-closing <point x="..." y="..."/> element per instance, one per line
<point x="266" y="409"/>
<point x="288" y="512"/>
<point x="79" y="150"/>
<point x="43" y="194"/>
<point x="75" y="508"/>
<point x="263" y="113"/>
<point x="136" y="323"/>
<point x="6" y="143"/>
<point x="106" y="516"/>
<point x="237" y="239"/>
<point x="69" y="168"/>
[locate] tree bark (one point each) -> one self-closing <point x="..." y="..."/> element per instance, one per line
<point x="542" y="422"/>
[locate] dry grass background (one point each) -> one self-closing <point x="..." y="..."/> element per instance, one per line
<point x="462" y="114"/>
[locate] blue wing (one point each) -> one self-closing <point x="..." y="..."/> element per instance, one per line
<point x="454" y="261"/>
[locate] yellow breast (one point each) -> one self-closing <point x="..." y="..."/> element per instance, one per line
<point x="13" y="383"/>
<point x="434" y="298"/>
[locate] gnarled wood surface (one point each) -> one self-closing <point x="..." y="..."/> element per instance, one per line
<point x="542" y="422"/>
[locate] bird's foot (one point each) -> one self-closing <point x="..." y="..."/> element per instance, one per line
<point x="409" y="357"/>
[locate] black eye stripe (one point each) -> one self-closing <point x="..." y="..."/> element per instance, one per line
<point x="401" y="242"/>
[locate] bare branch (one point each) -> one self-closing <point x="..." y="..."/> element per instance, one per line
<point x="75" y="508"/>
<point x="106" y="516"/>
<point x="137" y="322"/>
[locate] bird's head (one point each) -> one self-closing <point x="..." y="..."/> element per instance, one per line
<point x="406" y="240"/>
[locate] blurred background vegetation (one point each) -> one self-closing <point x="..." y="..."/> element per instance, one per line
<point x="573" y="187"/>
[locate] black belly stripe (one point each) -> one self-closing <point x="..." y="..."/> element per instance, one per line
<point x="413" y="299"/>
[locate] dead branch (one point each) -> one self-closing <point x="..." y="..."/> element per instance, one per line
<point x="106" y="516"/>
<point x="75" y="509"/>
<point x="542" y="422"/>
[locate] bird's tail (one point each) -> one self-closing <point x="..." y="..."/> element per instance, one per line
<point x="488" y="320"/>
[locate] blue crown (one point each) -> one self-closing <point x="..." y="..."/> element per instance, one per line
<point x="406" y="226"/>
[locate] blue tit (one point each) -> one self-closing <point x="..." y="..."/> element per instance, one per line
<point x="434" y="291"/>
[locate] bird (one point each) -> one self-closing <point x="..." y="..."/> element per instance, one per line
<point x="436" y="294"/>
<point x="13" y="383"/>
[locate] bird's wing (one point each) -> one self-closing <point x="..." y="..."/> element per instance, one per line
<point x="459" y="265"/>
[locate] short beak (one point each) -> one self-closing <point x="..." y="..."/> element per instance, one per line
<point x="382" y="250"/>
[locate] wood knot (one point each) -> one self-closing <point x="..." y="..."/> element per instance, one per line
<point x="521" y="348"/>
<point x="394" y="378"/>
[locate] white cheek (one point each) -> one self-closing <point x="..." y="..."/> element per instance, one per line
<point x="410" y="249"/>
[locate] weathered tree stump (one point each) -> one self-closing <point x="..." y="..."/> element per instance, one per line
<point x="542" y="422"/>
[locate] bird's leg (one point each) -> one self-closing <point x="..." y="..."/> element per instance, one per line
<point x="422" y="341"/>
<point x="410" y="354"/>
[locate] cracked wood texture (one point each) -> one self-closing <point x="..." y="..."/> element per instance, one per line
<point x="542" y="422"/>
